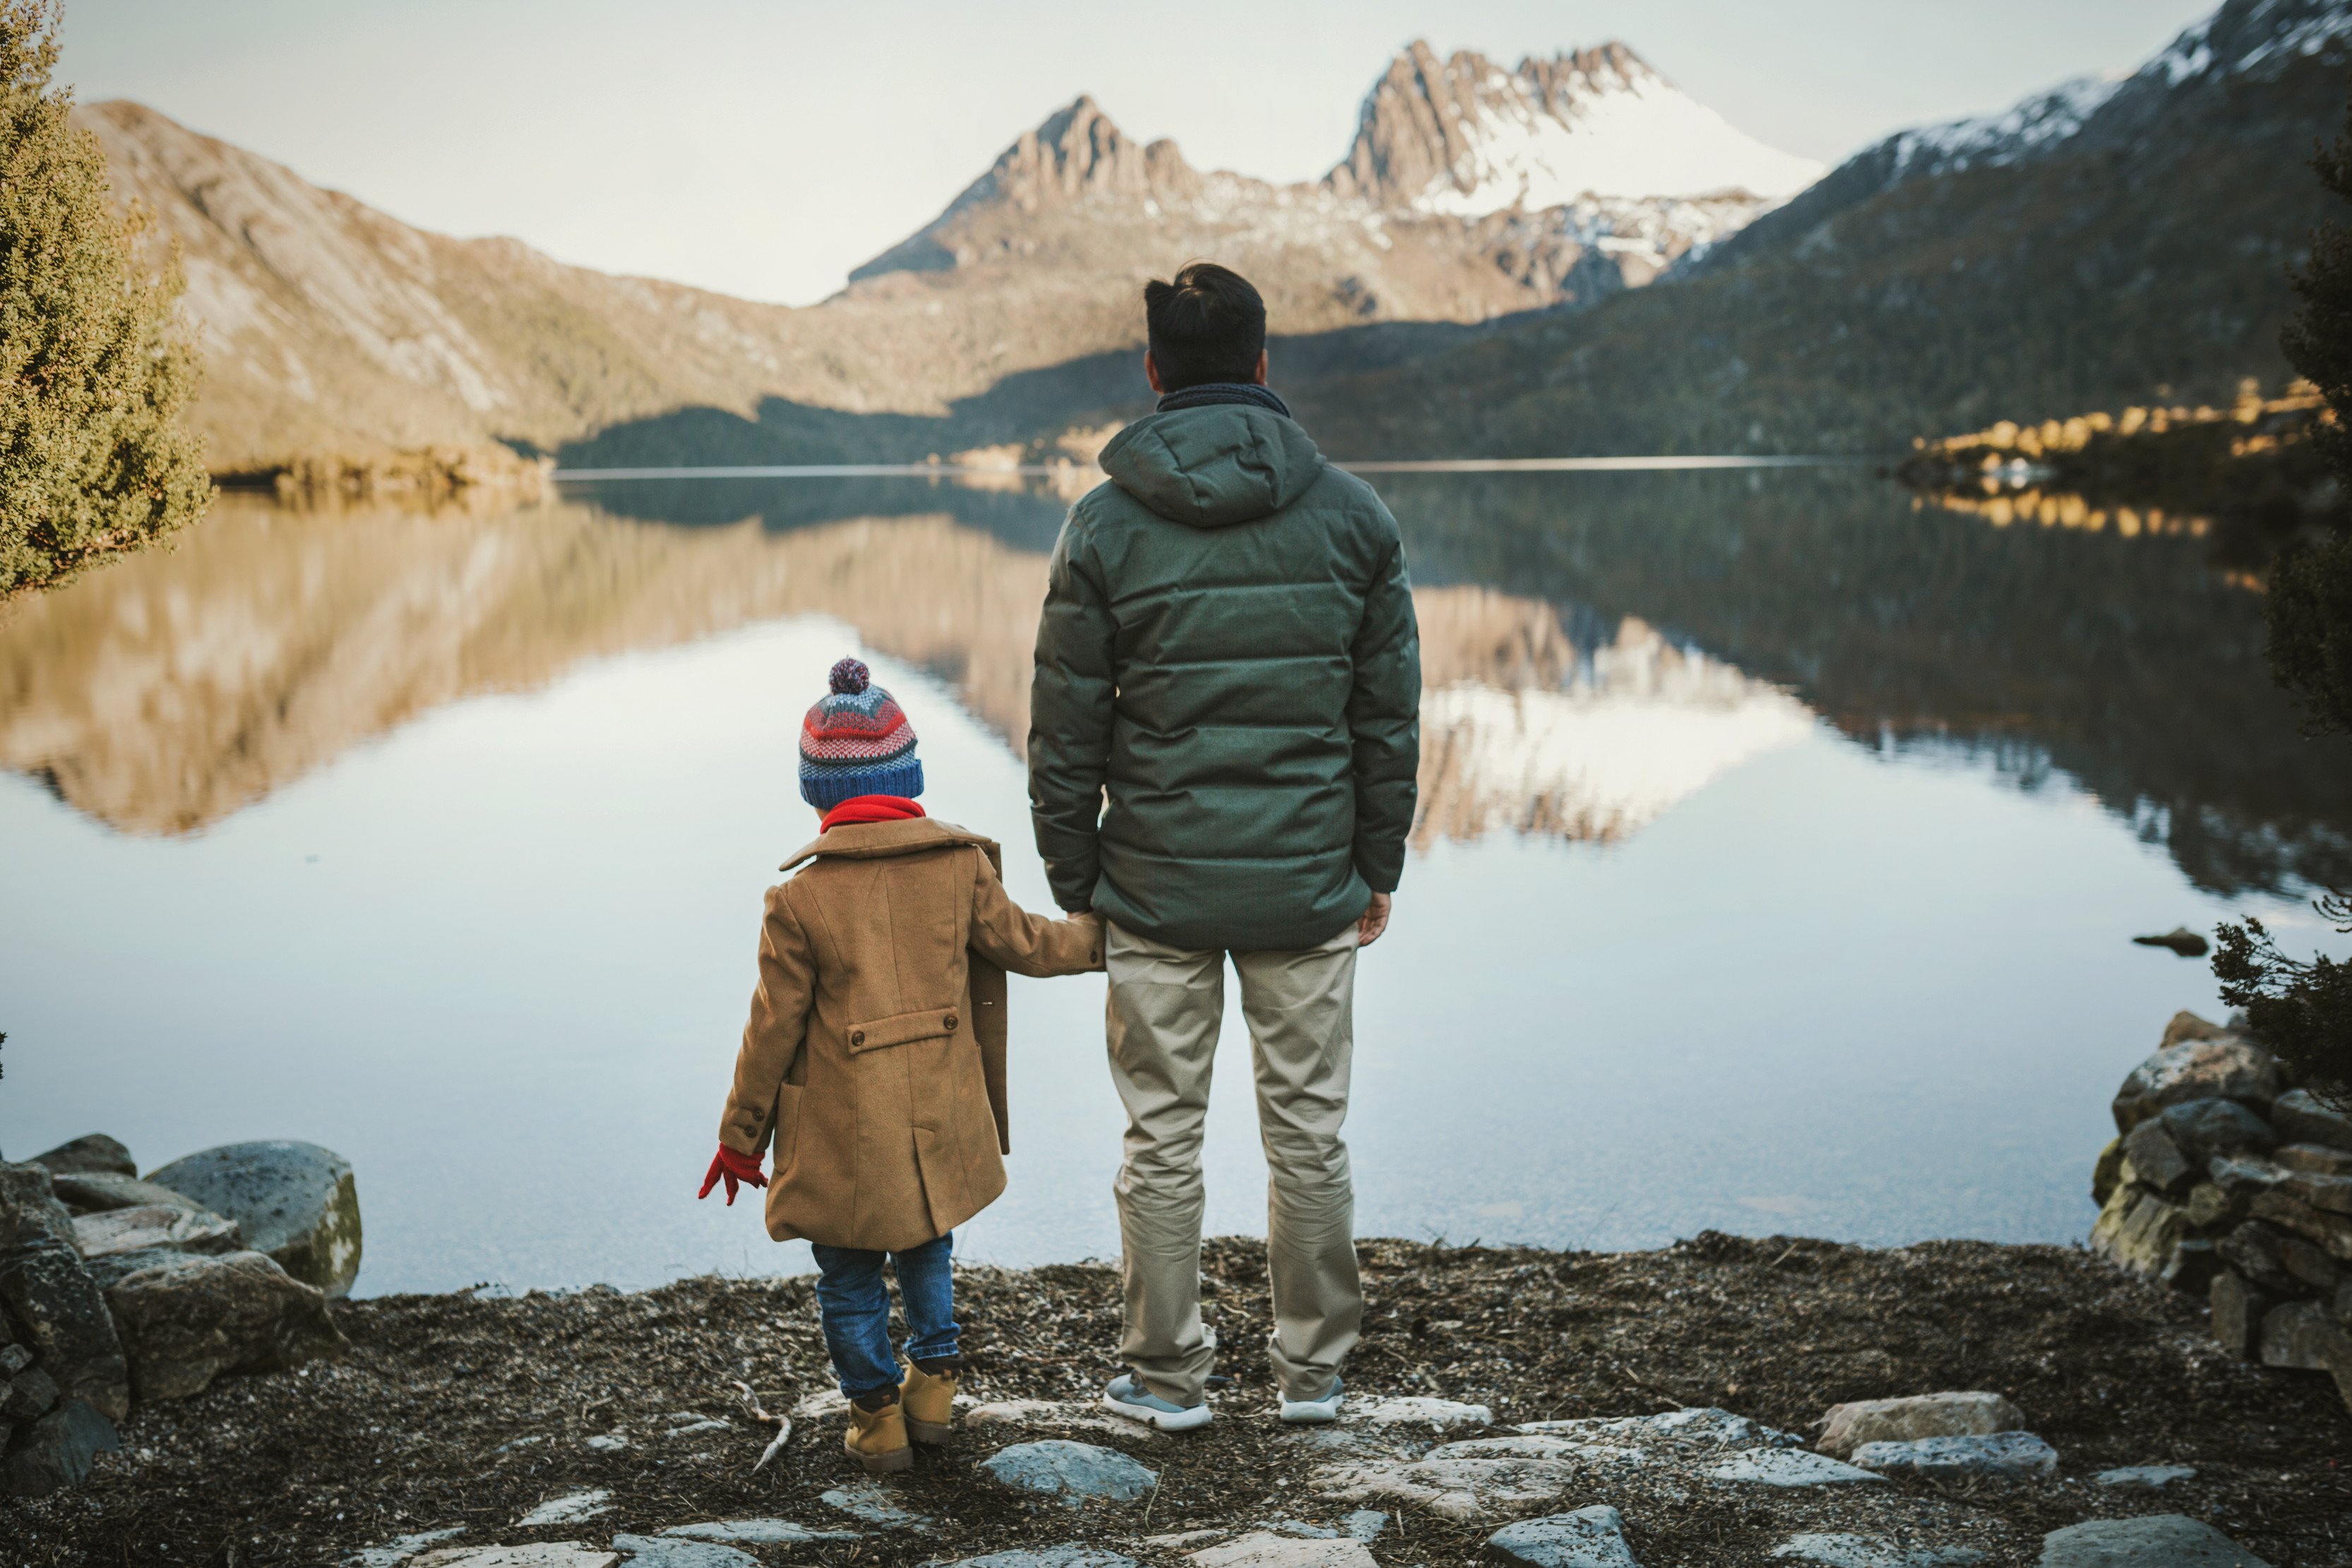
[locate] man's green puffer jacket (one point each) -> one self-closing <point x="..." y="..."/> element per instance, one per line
<point x="1228" y="652"/>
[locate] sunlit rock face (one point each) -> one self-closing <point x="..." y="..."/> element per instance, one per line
<point x="1520" y="729"/>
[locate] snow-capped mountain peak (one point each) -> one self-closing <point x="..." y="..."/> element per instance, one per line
<point x="1467" y="137"/>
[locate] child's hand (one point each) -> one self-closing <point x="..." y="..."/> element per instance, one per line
<point x="731" y="1167"/>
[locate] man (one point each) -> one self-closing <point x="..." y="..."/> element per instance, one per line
<point x="1223" y="736"/>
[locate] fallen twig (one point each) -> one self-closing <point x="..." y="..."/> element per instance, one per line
<point x="784" y="1425"/>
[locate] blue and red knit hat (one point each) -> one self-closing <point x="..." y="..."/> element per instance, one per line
<point x="856" y="741"/>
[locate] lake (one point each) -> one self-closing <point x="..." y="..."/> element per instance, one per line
<point x="1782" y="841"/>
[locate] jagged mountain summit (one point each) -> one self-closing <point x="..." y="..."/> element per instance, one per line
<point x="1465" y="137"/>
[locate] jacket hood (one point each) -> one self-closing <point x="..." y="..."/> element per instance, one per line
<point x="874" y="841"/>
<point x="1213" y="467"/>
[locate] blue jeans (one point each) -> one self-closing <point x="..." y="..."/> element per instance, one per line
<point x="856" y="1307"/>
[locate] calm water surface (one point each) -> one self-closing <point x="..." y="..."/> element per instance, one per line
<point x="1780" y="847"/>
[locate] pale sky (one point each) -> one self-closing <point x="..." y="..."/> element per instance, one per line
<point x="764" y="149"/>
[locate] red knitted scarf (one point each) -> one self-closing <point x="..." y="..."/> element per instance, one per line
<point x="871" y="809"/>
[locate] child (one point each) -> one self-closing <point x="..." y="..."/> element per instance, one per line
<point x="875" y="1058"/>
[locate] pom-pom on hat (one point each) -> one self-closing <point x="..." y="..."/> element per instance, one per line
<point x="856" y="741"/>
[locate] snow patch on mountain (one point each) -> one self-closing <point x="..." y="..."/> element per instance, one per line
<point x="1615" y="131"/>
<point x="2026" y="128"/>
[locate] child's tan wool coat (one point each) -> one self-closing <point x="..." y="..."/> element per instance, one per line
<point x="874" y="1056"/>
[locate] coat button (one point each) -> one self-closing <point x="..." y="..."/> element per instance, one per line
<point x="952" y="1022"/>
<point x="858" y="1038"/>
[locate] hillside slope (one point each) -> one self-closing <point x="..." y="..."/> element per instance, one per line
<point x="2106" y="244"/>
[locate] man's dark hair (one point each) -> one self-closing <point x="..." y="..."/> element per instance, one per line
<point x="1207" y="325"/>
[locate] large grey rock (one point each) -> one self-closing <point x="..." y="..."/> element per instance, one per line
<point x="2238" y="1308"/>
<point x="1994" y="1454"/>
<point x="2225" y="1067"/>
<point x="28" y="1394"/>
<point x="1845" y="1551"/>
<point x="297" y="1202"/>
<point x="95" y="1192"/>
<point x="1456" y="1489"/>
<point x="1788" y="1467"/>
<point x="187" y="1319"/>
<point x="2138" y="1231"/>
<point x="50" y="1292"/>
<point x="671" y="1551"/>
<point x="1974" y="1413"/>
<point x="1048" y="1557"/>
<point x="2257" y="1253"/>
<point x="2155" y="1161"/>
<point x="2301" y="1117"/>
<point x="2285" y="1209"/>
<point x="871" y="1502"/>
<point x="58" y="1450"/>
<point x="93" y="1152"/>
<point x="1588" y="1538"/>
<point x="2305" y="1336"/>
<point x="1413" y="1410"/>
<point x="1075" y="1472"/>
<point x="2155" y="1540"/>
<point x="2209" y="1128"/>
<point x="153" y="1227"/>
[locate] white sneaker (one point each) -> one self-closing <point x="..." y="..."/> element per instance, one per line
<point x="1126" y="1397"/>
<point x="1313" y="1412"/>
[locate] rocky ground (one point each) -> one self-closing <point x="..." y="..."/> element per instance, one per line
<point x="462" y="1419"/>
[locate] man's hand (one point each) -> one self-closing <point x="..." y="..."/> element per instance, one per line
<point x="1375" y="919"/>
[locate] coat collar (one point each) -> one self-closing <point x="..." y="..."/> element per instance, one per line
<point x="875" y="841"/>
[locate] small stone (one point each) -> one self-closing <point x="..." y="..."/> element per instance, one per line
<point x="2156" y="1160"/>
<point x="92" y="1152"/>
<point x="2108" y="1174"/>
<point x="1846" y="1427"/>
<point x="1071" y="1556"/>
<point x="606" y="1442"/>
<point x="295" y="1201"/>
<point x="58" y="1450"/>
<point x="1701" y="1425"/>
<point x="2206" y="1129"/>
<point x="1265" y="1549"/>
<point x="569" y="1509"/>
<point x="1789" y="1468"/>
<point x="2146" y="1478"/>
<point x="2304" y="1336"/>
<point x="1364" y="1524"/>
<point x="673" y="1552"/>
<point x="156" y="1225"/>
<point x="1842" y="1551"/>
<point x="537" y="1554"/>
<point x="2153" y="1541"/>
<point x="2224" y="1067"/>
<point x="2301" y="1117"/>
<point x="400" y="1548"/>
<point x="189" y="1318"/>
<point x="1456" y="1489"/>
<point x="100" y="1192"/>
<point x="871" y="1502"/>
<point x="1590" y="1538"/>
<point x="28" y="1395"/>
<point x="693" y="1428"/>
<point x="1075" y="1472"/>
<point x="2238" y="1309"/>
<point x="759" y="1532"/>
<point x="1444" y="1415"/>
<point x="1994" y="1454"/>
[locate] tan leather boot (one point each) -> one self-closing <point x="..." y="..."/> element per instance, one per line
<point x="877" y="1439"/>
<point x="929" y="1404"/>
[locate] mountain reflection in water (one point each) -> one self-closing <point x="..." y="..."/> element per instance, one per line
<point x="1594" y="650"/>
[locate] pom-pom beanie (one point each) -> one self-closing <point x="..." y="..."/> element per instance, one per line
<point x="856" y="741"/>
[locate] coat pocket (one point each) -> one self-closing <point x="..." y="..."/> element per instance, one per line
<point x="875" y="1034"/>
<point x="788" y="1130"/>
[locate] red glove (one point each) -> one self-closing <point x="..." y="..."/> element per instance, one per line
<point x="731" y="1167"/>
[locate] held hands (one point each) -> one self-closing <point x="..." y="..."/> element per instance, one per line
<point x="731" y="1167"/>
<point x="1375" y="919"/>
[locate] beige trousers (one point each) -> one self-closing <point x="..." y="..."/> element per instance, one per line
<point x="1166" y="1006"/>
